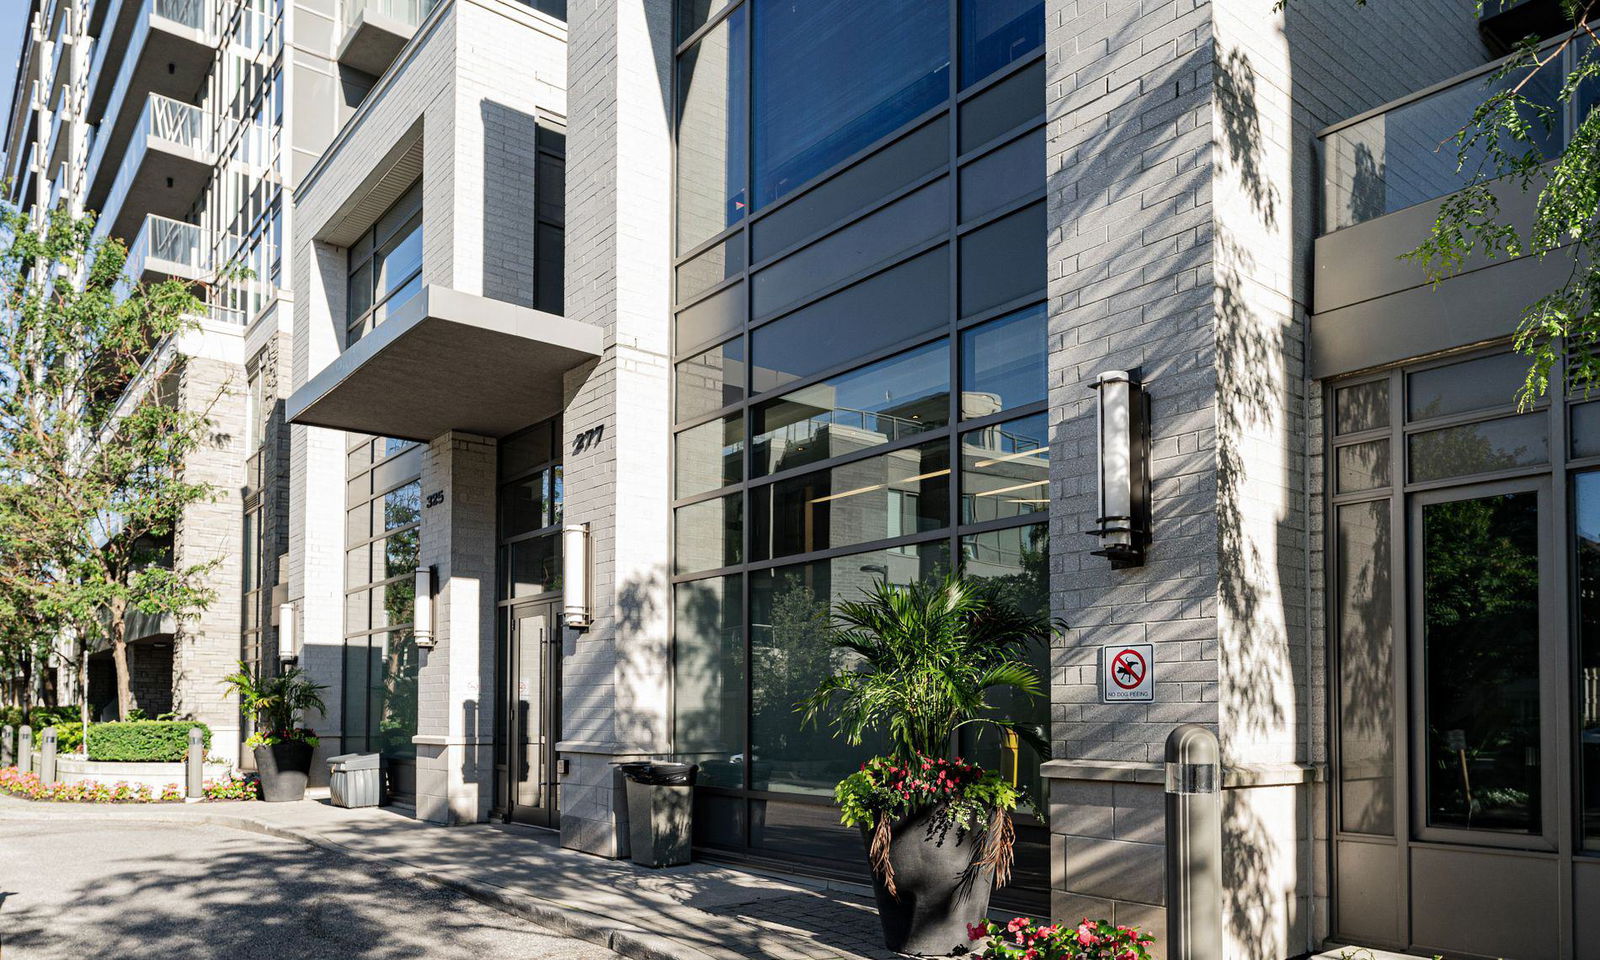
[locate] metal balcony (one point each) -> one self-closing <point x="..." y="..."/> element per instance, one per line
<point x="155" y="47"/>
<point x="166" y="164"/>
<point x="167" y="249"/>
<point x="375" y="31"/>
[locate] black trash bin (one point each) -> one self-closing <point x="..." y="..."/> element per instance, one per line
<point x="660" y="811"/>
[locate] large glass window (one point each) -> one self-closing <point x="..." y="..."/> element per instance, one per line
<point x="382" y="532"/>
<point x="832" y="76"/>
<point x="1365" y="648"/>
<point x="385" y="266"/>
<point x="712" y="116"/>
<point x="531" y="495"/>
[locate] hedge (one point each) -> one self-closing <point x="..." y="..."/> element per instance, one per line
<point x="144" y="741"/>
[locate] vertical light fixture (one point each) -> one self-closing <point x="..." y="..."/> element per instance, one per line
<point x="575" y="575"/>
<point x="288" y="648"/>
<point x="1123" y="430"/>
<point x="422" y="610"/>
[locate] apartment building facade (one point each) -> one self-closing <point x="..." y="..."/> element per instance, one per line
<point x="593" y="349"/>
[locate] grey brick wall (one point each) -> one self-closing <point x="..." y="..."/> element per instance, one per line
<point x="1181" y="212"/>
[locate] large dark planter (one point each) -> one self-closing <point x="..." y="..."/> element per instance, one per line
<point x="284" y="769"/>
<point x="938" y="891"/>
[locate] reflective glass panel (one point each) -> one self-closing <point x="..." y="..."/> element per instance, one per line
<point x="721" y="262"/>
<point x="533" y="566"/>
<point x="1364" y="406"/>
<point x="709" y="456"/>
<point x="1003" y="177"/>
<point x="1018" y="559"/>
<point x="1586" y="509"/>
<point x="1003" y="261"/>
<point x="1361" y="466"/>
<point x="712" y="117"/>
<point x="995" y="33"/>
<point x="790" y="608"/>
<point x="833" y="76"/>
<point x="1003" y="107"/>
<point x="1487" y="383"/>
<point x="709" y="679"/>
<point x="1364" y="607"/>
<point x="904" y="395"/>
<point x="712" y="380"/>
<point x="1480" y="447"/>
<point x="1480" y="622"/>
<point x="1585" y="429"/>
<point x="892" y="307"/>
<point x="522" y="506"/>
<point x="878" y="498"/>
<point x="709" y="534"/>
<point x="1005" y="470"/>
<point x="1003" y="363"/>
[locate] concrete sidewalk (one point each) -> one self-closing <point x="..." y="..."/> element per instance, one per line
<point x="695" y="912"/>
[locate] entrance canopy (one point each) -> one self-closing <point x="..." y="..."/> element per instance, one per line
<point x="444" y="361"/>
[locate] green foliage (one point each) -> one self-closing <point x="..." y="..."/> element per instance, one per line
<point x="69" y="736"/>
<point x="93" y="443"/>
<point x="928" y="656"/>
<point x="37" y="717"/>
<point x="277" y="702"/>
<point x="144" y="741"/>
<point x="884" y="788"/>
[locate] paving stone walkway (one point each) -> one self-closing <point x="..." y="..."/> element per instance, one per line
<point x="695" y="912"/>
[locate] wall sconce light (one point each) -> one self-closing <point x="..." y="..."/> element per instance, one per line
<point x="575" y="575"/>
<point x="288" y="647"/>
<point x="422" y="610"/>
<point x="1123" y="430"/>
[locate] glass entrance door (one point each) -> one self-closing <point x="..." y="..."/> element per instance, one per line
<point x="533" y="654"/>
<point x="1483" y="717"/>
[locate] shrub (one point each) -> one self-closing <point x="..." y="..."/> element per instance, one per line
<point x="69" y="736"/>
<point x="38" y="717"/>
<point x="144" y="741"/>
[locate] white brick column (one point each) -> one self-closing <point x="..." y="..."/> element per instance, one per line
<point x="455" y="681"/>
<point x="618" y="276"/>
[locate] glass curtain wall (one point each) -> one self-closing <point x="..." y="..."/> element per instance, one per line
<point x="383" y="500"/>
<point x="244" y="204"/>
<point x="860" y="384"/>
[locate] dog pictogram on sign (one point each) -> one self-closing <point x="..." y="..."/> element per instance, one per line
<point x="1125" y="672"/>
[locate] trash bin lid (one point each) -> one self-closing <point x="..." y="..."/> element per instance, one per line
<point x="659" y="772"/>
<point x="354" y="761"/>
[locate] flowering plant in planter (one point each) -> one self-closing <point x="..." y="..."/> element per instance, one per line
<point x="1023" y="939"/>
<point x="884" y="792"/>
<point x="921" y="662"/>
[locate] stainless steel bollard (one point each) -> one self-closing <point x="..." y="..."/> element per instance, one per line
<point x="1194" y="844"/>
<point x="8" y="745"/>
<point x="196" y="764"/>
<point x="25" y="749"/>
<point x="47" y="755"/>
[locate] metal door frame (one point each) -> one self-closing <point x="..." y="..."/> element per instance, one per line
<point x="549" y="814"/>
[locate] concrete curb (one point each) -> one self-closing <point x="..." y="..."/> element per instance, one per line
<point x="624" y="938"/>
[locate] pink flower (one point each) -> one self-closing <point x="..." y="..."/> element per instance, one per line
<point x="1086" y="934"/>
<point x="976" y="931"/>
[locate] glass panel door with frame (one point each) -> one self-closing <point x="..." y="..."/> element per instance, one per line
<point x="1482" y="729"/>
<point x="533" y="712"/>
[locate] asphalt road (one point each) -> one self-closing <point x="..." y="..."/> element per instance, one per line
<point x="71" y="891"/>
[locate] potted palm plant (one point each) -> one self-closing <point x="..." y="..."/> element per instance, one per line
<point x="282" y="747"/>
<point x="924" y="661"/>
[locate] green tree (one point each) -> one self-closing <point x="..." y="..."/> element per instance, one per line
<point x="94" y="440"/>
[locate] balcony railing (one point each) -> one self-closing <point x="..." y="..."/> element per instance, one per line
<point x="1405" y="153"/>
<point x="188" y="13"/>
<point x="169" y="241"/>
<point x="408" y="12"/>
<point x="163" y="118"/>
